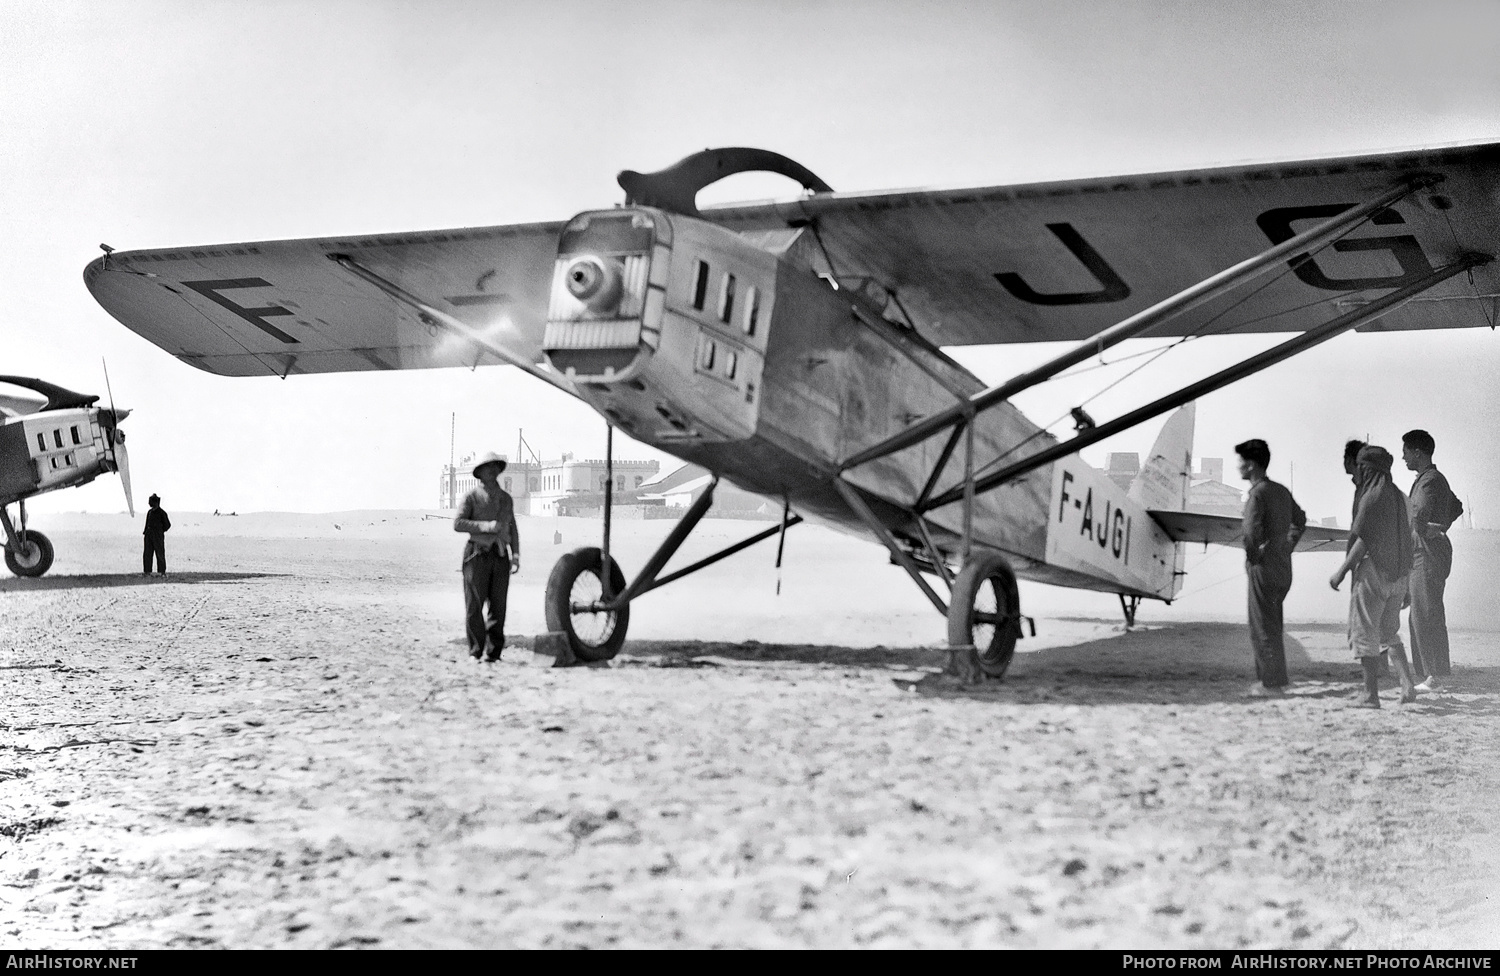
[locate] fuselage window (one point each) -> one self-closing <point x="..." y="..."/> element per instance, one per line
<point x="731" y="363"/>
<point x="76" y="438"/>
<point x="700" y="285"/>
<point x="57" y="437"/>
<point x="706" y="356"/>
<point x="726" y="299"/>
<point x="752" y="309"/>
<point x="41" y="440"/>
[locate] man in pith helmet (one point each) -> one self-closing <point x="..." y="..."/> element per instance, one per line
<point x="493" y="552"/>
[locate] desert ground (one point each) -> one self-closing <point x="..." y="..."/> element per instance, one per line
<point x="284" y="744"/>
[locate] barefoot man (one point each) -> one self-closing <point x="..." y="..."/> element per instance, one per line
<point x="1380" y="559"/>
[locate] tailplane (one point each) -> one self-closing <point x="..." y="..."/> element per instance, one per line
<point x="1163" y="480"/>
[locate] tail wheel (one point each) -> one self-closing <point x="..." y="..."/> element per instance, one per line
<point x="986" y="611"/>
<point x="576" y="585"/>
<point x="33" y="558"/>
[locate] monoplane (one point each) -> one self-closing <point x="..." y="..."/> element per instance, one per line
<point x="59" y="441"/>
<point x="796" y="347"/>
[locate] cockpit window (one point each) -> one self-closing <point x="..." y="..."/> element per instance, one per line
<point x="726" y="299"/>
<point x="700" y="285"/>
<point x="752" y="309"/>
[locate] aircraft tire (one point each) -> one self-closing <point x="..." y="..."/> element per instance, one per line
<point x="986" y="588"/>
<point x="576" y="578"/>
<point x="35" y="557"/>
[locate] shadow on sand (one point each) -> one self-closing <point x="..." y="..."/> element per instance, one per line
<point x="1190" y="663"/>
<point x="99" y="581"/>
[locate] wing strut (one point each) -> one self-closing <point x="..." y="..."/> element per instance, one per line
<point x="1248" y="367"/>
<point x="1143" y="321"/>
<point x="433" y="316"/>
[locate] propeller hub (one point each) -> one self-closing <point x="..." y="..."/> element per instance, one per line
<point x="595" y="282"/>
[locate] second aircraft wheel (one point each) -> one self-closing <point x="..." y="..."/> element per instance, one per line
<point x="986" y="611"/>
<point x="34" y="557"/>
<point x="577" y="583"/>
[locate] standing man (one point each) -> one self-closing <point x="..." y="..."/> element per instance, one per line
<point x="492" y="554"/>
<point x="1380" y="558"/>
<point x="1432" y="508"/>
<point x="1273" y="524"/>
<point x="157" y="525"/>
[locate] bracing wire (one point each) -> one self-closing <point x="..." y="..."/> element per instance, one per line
<point x="1203" y="330"/>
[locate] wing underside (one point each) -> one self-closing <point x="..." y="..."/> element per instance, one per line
<point x="1041" y="262"/>
<point x="1063" y="261"/>
<point x="282" y="307"/>
<point x="1226" y="530"/>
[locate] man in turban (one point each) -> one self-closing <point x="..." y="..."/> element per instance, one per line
<point x="1380" y="559"/>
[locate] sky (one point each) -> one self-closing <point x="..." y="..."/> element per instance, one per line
<point x="157" y="124"/>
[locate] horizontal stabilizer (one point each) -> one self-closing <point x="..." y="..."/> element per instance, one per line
<point x="1228" y="530"/>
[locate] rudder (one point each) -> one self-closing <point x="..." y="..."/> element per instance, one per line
<point x="1163" y="479"/>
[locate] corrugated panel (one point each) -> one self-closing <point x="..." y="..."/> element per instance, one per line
<point x="617" y="334"/>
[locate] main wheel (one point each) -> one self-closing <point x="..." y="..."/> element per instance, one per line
<point x="34" y="557"/>
<point x="986" y="611"/>
<point x="577" y="582"/>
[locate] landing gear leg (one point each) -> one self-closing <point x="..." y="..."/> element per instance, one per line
<point x="1128" y="605"/>
<point x="27" y="552"/>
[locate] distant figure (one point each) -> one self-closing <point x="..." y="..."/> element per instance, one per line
<point x="157" y="525"/>
<point x="1273" y="525"/>
<point x="493" y="552"/>
<point x="1432" y="508"/>
<point x="1380" y="559"/>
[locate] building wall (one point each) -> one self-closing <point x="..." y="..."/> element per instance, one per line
<point x="537" y="487"/>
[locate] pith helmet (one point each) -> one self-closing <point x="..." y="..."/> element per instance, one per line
<point x="489" y="458"/>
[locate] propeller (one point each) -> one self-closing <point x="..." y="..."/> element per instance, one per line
<point x="122" y="457"/>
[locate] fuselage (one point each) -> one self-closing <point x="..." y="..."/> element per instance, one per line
<point x="729" y="351"/>
<point x="51" y="449"/>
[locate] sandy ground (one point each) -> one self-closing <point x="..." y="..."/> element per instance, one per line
<point x="284" y="745"/>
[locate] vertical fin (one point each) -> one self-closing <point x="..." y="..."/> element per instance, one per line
<point x="1163" y="480"/>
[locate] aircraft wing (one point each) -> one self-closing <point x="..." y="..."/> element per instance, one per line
<point x="279" y="307"/>
<point x="1227" y="530"/>
<point x="1065" y="260"/>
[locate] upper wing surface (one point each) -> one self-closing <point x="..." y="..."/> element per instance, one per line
<point x="1063" y="261"/>
<point x="281" y="307"/>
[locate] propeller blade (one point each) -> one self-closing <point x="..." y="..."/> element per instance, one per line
<point x="122" y="459"/>
<point x="122" y="465"/>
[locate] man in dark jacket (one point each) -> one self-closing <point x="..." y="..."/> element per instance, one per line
<point x="1380" y="559"/>
<point x="493" y="552"/>
<point x="1432" y="508"/>
<point x="1273" y="525"/>
<point x="157" y="525"/>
